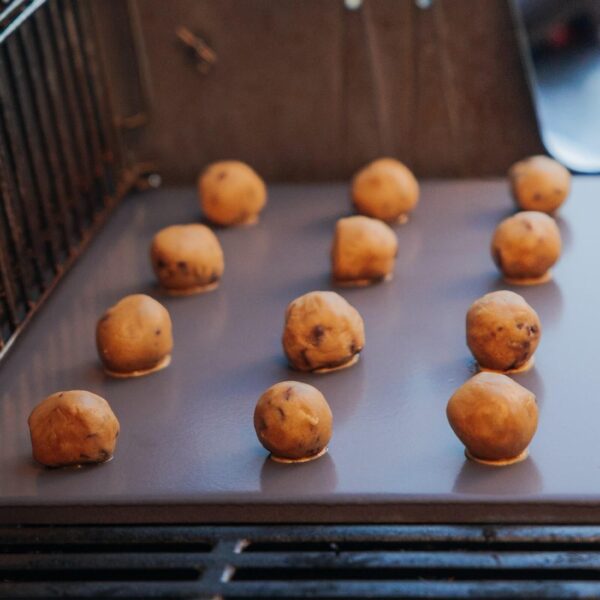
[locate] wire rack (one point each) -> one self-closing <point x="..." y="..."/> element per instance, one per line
<point x="59" y="155"/>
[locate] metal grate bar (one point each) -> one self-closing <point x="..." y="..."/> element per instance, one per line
<point x="58" y="174"/>
<point x="110" y="144"/>
<point x="73" y="113"/>
<point x="57" y="101"/>
<point x="354" y="561"/>
<point x="18" y="163"/>
<point x="52" y="177"/>
<point x="38" y="175"/>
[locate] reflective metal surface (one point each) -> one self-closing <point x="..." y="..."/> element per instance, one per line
<point x="560" y="42"/>
<point x="188" y="451"/>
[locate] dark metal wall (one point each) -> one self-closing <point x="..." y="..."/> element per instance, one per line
<point x="308" y="90"/>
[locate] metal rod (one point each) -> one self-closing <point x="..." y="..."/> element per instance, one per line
<point x="54" y="173"/>
<point x="57" y="102"/>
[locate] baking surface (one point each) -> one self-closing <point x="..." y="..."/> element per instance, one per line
<point x="188" y="450"/>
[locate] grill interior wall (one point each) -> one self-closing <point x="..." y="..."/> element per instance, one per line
<point x="58" y="153"/>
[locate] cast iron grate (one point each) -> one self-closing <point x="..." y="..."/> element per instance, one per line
<point x="300" y="561"/>
<point x="59" y="154"/>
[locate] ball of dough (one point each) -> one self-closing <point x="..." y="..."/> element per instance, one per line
<point x="72" y="428"/>
<point x="503" y="331"/>
<point x="134" y="337"/>
<point x="525" y="246"/>
<point x="364" y="251"/>
<point x="231" y="193"/>
<point x="187" y="259"/>
<point x="293" y="421"/>
<point x="322" y="332"/>
<point x="539" y="183"/>
<point x="494" y="417"/>
<point x="385" y="189"/>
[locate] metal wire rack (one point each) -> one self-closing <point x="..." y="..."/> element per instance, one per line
<point x="59" y="154"/>
<point x="275" y="561"/>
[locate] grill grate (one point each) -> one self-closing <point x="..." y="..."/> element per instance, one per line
<point x="403" y="561"/>
<point x="58" y="150"/>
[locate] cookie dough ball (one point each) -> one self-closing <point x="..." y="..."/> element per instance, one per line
<point x="503" y="332"/>
<point x="231" y="193"/>
<point x="134" y="337"/>
<point x="293" y="421"/>
<point x="322" y="332"/>
<point x="72" y="428"/>
<point x="494" y="417"/>
<point x="525" y="246"/>
<point x="364" y="251"/>
<point x="539" y="183"/>
<point x="187" y="259"/>
<point x="385" y="189"/>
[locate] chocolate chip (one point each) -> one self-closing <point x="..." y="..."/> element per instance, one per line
<point x="181" y="264"/>
<point x="533" y="329"/>
<point x="317" y="333"/>
<point x="90" y="435"/>
<point x="288" y="393"/>
<point x="528" y="225"/>
<point x="281" y="413"/>
<point x="221" y="175"/>
<point x="157" y="332"/>
<point x="84" y="456"/>
<point x="161" y="263"/>
<point x="537" y="196"/>
<point x="519" y="325"/>
<point x="213" y="277"/>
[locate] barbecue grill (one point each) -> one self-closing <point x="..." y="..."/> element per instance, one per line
<point x="108" y="110"/>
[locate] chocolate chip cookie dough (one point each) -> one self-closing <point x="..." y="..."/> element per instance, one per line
<point x="364" y="251"/>
<point x="293" y="421"/>
<point x="503" y="332"/>
<point x="385" y="189"/>
<point x="187" y="259"/>
<point x="494" y="417"/>
<point x="134" y="337"/>
<point x="231" y="193"/>
<point x="322" y="332"/>
<point x="525" y="247"/>
<point x="539" y="183"/>
<point x="73" y="428"/>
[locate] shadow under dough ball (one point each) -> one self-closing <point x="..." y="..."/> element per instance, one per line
<point x="503" y="332"/>
<point x="494" y="417"/>
<point x="385" y="189"/>
<point x="72" y="428"/>
<point x="231" y="193"/>
<point x="364" y="251"/>
<point x="525" y="247"/>
<point x="293" y="421"/>
<point x="134" y="337"/>
<point x="539" y="183"/>
<point x="187" y="259"/>
<point x="322" y="333"/>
